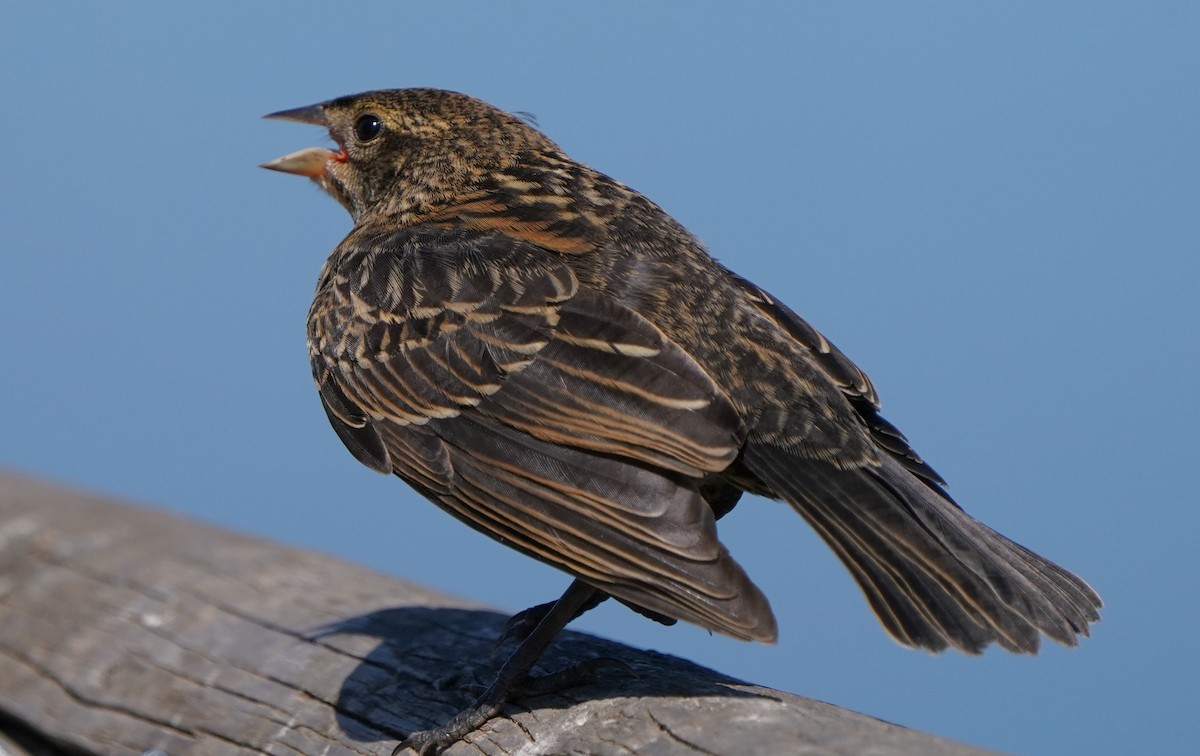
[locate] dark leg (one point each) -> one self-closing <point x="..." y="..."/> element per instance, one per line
<point x="521" y="624"/>
<point x="721" y="497"/>
<point x="512" y="677"/>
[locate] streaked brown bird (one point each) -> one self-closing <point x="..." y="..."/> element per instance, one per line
<point x="548" y="356"/>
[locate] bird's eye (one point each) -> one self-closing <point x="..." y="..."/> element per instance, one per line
<point x="367" y="127"/>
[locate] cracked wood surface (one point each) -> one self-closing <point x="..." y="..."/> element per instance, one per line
<point x="124" y="630"/>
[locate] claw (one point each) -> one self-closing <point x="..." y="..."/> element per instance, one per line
<point x="581" y="673"/>
<point x="434" y="741"/>
<point x="546" y="621"/>
<point x="493" y="699"/>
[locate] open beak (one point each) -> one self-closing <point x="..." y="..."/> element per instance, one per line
<point x="311" y="161"/>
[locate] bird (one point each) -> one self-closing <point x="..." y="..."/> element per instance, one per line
<point x="548" y="356"/>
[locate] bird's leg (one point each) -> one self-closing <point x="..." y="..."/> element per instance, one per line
<point x="721" y="497"/>
<point x="521" y="624"/>
<point x="513" y="676"/>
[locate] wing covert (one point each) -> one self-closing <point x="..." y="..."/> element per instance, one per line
<point x="541" y="412"/>
<point x="452" y="321"/>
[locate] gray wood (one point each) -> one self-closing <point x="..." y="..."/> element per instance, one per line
<point x="124" y="630"/>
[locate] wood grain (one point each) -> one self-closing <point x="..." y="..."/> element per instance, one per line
<point x="124" y="630"/>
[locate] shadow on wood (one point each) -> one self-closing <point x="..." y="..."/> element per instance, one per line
<point x="416" y="642"/>
<point x="124" y="630"/>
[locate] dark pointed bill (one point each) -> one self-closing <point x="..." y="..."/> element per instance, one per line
<point x="314" y="114"/>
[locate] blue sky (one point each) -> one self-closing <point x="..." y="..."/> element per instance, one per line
<point x="993" y="208"/>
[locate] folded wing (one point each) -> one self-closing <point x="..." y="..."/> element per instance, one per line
<point x="476" y="367"/>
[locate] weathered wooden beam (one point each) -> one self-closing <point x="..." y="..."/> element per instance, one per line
<point x="124" y="630"/>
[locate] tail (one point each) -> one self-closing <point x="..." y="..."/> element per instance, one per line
<point x="935" y="576"/>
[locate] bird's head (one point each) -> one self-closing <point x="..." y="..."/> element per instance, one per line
<point x="406" y="151"/>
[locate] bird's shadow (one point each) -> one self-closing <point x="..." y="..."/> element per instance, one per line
<point x="430" y="663"/>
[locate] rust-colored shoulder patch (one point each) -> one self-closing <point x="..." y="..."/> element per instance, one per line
<point x="543" y="224"/>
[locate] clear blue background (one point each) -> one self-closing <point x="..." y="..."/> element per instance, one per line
<point x="992" y="207"/>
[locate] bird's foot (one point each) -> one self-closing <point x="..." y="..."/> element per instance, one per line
<point x="522" y="624"/>
<point x="488" y="704"/>
<point x="580" y="673"/>
<point x="433" y="741"/>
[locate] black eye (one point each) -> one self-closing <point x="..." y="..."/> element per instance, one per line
<point x="367" y="127"/>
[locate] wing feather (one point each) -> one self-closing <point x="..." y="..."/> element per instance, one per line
<point x="640" y="534"/>
<point x="543" y="413"/>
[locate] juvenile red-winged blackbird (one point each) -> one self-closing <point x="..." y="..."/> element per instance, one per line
<point x="548" y="356"/>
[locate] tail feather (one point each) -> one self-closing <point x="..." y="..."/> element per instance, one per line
<point x="1058" y="602"/>
<point x="935" y="576"/>
<point x="914" y="605"/>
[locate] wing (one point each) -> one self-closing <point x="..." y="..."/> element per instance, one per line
<point x="847" y="376"/>
<point x="475" y="366"/>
